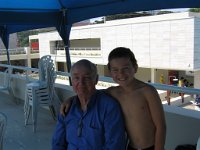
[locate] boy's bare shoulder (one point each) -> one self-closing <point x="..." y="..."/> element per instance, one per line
<point x="150" y="87"/>
<point x="150" y="92"/>
<point x="146" y="87"/>
<point x="140" y="84"/>
<point x="113" y="90"/>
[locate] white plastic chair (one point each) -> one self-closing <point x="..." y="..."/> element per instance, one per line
<point x="6" y="86"/>
<point x="198" y="144"/>
<point x="3" y="123"/>
<point x="41" y="93"/>
<point x="6" y="82"/>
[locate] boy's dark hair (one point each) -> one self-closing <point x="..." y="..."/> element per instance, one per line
<point x="121" y="52"/>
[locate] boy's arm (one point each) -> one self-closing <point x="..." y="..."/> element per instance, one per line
<point x="64" y="108"/>
<point x="157" y="114"/>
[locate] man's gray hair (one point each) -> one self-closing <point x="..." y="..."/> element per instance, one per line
<point x="88" y="65"/>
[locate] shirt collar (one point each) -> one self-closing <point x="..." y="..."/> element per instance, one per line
<point x="91" y="102"/>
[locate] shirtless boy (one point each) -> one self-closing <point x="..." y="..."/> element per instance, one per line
<point x="140" y="103"/>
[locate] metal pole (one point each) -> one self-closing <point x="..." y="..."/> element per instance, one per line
<point x="66" y="30"/>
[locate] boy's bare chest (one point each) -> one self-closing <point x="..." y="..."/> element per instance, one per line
<point x="133" y="99"/>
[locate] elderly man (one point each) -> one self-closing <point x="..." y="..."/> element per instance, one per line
<point x="94" y="120"/>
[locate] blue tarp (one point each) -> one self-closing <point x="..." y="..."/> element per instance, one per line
<point x="20" y="15"/>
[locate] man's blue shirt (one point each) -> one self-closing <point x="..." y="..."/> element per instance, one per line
<point x="100" y="127"/>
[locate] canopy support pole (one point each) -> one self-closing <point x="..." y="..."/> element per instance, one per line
<point x="5" y="38"/>
<point x="64" y="32"/>
<point x="8" y="56"/>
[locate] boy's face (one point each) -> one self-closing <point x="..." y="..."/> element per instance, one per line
<point x="122" y="70"/>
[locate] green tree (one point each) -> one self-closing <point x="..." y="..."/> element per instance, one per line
<point x="133" y="15"/>
<point x="164" y="12"/>
<point x="22" y="37"/>
<point x="23" y="40"/>
<point x="194" y="9"/>
<point x="127" y="15"/>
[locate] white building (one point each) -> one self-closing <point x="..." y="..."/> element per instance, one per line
<point x="166" y="44"/>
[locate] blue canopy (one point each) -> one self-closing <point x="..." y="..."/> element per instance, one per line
<point x="20" y="15"/>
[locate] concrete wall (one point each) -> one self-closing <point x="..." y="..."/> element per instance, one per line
<point x="197" y="43"/>
<point x="197" y="79"/>
<point x="45" y="40"/>
<point x="182" y="126"/>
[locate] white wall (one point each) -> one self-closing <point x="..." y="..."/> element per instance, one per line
<point x="197" y="79"/>
<point x="163" y="41"/>
<point x="182" y="126"/>
<point x="197" y="44"/>
<point x="44" y="42"/>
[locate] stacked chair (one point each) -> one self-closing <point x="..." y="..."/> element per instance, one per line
<point x="3" y="123"/>
<point x="198" y="144"/>
<point x="6" y="85"/>
<point x="6" y="80"/>
<point x="41" y="93"/>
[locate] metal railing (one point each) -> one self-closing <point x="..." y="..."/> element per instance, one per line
<point x="77" y="48"/>
<point x="84" y="48"/>
<point x="13" y="51"/>
<point x="17" y="51"/>
<point x="78" y="51"/>
<point x="28" y="73"/>
<point x="32" y="74"/>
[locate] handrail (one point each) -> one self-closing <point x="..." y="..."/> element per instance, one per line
<point x="13" y="51"/>
<point x="174" y="88"/>
<point x="158" y="86"/>
<point x="20" y="67"/>
<point x="77" y="48"/>
<point x="28" y="70"/>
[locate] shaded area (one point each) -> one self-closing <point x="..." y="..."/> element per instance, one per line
<point x="21" y="137"/>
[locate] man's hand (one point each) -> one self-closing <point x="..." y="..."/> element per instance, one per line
<point x="65" y="106"/>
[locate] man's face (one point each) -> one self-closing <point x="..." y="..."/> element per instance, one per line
<point x="122" y="71"/>
<point x="82" y="81"/>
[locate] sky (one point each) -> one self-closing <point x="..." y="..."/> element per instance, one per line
<point x="178" y="10"/>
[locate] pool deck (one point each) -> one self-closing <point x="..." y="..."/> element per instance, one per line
<point x="21" y="137"/>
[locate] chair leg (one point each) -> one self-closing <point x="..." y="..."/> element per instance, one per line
<point x="27" y="114"/>
<point x="1" y="145"/>
<point x="34" y="113"/>
<point x="53" y="112"/>
<point x="27" y="108"/>
<point x="25" y="102"/>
